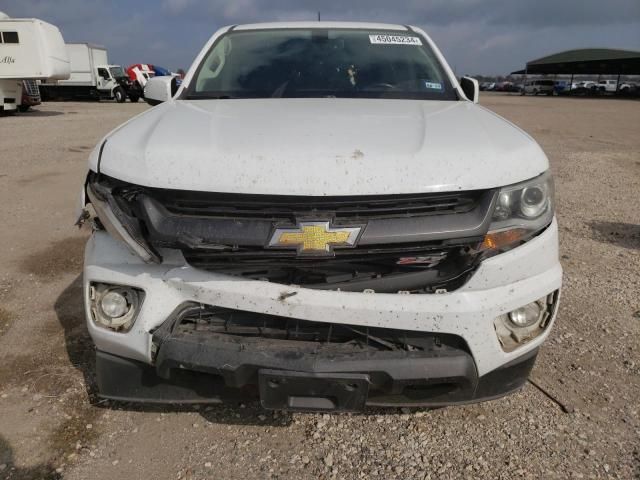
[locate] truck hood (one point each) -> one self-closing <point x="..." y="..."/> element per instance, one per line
<point x="320" y="147"/>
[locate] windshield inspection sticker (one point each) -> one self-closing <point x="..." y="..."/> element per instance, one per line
<point x="394" y="40"/>
<point x="433" y="85"/>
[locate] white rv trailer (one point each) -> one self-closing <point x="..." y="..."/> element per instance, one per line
<point x="30" y="49"/>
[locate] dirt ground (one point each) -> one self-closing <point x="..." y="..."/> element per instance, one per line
<point x="53" y="426"/>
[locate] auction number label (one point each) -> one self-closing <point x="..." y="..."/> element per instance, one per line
<point x="394" y="40"/>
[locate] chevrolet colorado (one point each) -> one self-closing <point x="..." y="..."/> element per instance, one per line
<point x="323" y="218"/>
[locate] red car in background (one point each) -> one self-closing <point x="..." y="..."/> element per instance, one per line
<point x="139" y="73"/>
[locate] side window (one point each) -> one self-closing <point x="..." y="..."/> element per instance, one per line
<point x="103" y="73"/>
<point x="9" y="37"/>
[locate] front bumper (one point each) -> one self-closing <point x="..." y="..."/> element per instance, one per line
<point x="428" y="381"/>
<point x="483" y="370"/>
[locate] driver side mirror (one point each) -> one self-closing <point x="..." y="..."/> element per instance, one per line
<point x="160" y="89"/>
<point x="470" y="88"/>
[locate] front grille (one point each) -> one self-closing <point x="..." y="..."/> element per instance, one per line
<point x="290" y="208"/>
<point x="421" y="268"/>
<point x="418" y="243"/>
<point x="197" y="319"/>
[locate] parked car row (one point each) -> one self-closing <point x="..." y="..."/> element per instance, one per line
<point x="500" y="87"/>
<point x="602" y="87"/>
<point x="550" y="87"/>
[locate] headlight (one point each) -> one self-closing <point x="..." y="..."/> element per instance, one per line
<point x="118" y="223"/>
<point x="521" y="211"/>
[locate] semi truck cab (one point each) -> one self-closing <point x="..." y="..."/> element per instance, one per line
<point x="113" y="82"/>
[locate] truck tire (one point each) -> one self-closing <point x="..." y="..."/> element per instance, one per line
<point x="134" y="98"/>
<point x="119" y="95"/>
<point x="24" y="108"/>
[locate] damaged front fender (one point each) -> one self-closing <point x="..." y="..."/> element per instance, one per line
<point x="81" y="213"/>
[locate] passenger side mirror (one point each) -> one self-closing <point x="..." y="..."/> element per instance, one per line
<point x="470" y="88"/>
<point x="160" y="89"/>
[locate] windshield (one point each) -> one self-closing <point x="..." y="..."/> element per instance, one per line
<point x="345" y="63"/>
<point x="117" y="72"/>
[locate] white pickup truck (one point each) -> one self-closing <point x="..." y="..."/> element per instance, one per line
<point x="609" y="86"/>
<point x="321" y="217"/>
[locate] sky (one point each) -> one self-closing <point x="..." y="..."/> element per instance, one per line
<point x="482" y="37"/>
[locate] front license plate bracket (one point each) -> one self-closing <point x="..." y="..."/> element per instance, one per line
<point x="303" y="391"/>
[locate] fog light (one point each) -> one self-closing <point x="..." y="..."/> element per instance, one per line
<point x="525" y="323"/>
<point x="113" y="306"/>
<point x="526" y="316"/>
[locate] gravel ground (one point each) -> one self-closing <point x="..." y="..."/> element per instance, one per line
<point x="587" y="425"/>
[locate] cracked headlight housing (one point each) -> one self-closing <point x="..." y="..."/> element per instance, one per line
<point x="119" y="223"/>
<point x="521" y="212"/>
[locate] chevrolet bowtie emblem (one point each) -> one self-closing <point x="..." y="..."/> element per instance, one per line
<point x="314" y="237"/>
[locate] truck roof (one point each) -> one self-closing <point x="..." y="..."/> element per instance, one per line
<point x="11" y="19"/>
<point x="90" y="45"/>
<point x="322" y="24"/>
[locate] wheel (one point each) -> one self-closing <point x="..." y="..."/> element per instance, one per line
<point x="24" y="108"/>
<point x="535" y="92"/>
<point x="119" y="95"/>
<point x="134" y="98"/>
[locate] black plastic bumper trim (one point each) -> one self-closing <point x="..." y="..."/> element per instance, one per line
<point x="428" y="382"/>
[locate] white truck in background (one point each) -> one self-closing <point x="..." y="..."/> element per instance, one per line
<point x="91" y="77"/>
<point x="608" y="86"/>
<point x="30" y="49"/>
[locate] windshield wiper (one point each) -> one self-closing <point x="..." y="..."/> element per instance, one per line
<point x="211" y="97"/>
